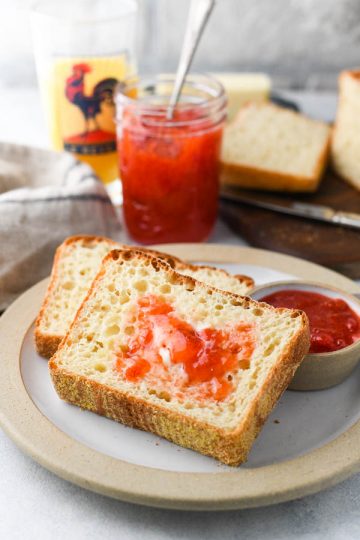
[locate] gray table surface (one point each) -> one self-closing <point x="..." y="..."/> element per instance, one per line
<point x="35" y="504"/>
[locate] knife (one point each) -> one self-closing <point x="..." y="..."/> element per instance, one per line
<point x="292" y="208"/>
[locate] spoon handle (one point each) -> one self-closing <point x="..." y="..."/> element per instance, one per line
<point x="199" y="14"/>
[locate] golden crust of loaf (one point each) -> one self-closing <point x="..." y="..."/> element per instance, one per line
<point x="229" y="446"/>
<point x="48" y="342"/>
<point x="257" y="177"/>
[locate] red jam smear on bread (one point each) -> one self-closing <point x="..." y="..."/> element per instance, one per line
<point x="170" y="352"/>
<point x="333" y="324"/>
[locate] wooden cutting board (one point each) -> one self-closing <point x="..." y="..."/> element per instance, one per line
<point x="330" y="245"/>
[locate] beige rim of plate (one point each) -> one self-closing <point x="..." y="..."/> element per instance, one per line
<point x="243" y="488"/>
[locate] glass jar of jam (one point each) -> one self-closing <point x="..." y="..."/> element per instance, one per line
<point x="170" y="168"/>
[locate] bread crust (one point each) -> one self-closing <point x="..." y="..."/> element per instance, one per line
<point x="229" y="447"/>
<point x="47" y="344"/>
<point x="252" y="177"/>
<point x="179" y="266"/>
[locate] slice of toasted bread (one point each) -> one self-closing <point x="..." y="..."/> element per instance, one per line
<point x="199" y="401"/>
<point x="272" y="148"/>
<point x="345" y="144"/>
<point x="76" y="264"/>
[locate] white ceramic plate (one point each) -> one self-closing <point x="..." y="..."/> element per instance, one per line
<point x="297" y="413"/>
<point x="310" y="441"/>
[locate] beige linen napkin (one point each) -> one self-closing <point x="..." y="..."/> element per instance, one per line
<point x="45" y="196"/>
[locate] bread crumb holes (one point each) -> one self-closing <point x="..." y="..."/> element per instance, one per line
<point x="101" y="368"/>
<point x="165" y="289"/>
<point x="112" y="330"/>
<point x="269" y="349"/>
<point x="164" y="395"/>
<point x="141" y="285"/>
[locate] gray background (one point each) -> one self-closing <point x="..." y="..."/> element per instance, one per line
<point x="302" y="43"/>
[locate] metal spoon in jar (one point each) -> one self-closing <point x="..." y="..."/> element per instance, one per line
<point x="199" y="14"/>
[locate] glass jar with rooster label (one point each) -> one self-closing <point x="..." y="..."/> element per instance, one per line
<point x="82" y="50"/>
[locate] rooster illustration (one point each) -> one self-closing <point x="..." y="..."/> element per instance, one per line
<point x="90" y="106"/>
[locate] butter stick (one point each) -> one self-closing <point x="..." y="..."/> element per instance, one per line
<point x="244" y="87"/>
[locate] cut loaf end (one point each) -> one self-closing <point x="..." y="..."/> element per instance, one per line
<point x="345" y="145"/>
<point x="271" y="148"/>
<point x="217" y="413"/>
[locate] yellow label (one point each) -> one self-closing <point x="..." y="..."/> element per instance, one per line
<point x="80" y="107"/>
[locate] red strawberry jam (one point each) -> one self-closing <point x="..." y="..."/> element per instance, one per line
<point x="333" y="324"/>
<point x="169" y="177"/>
<point x="165" y="349"/>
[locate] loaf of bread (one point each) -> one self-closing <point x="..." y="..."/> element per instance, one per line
<point x="345" y="145"/>
<point x="76" y="264"/>
<point x="162" y="352"/>
<point x="272" y="148"/>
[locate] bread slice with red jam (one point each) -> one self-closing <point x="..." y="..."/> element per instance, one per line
<point x="160" y="351"/>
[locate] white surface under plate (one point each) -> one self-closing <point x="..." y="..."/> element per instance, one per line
<point x="301" y="422"/>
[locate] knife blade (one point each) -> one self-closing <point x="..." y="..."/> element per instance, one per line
<point x="292" y="208"/>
